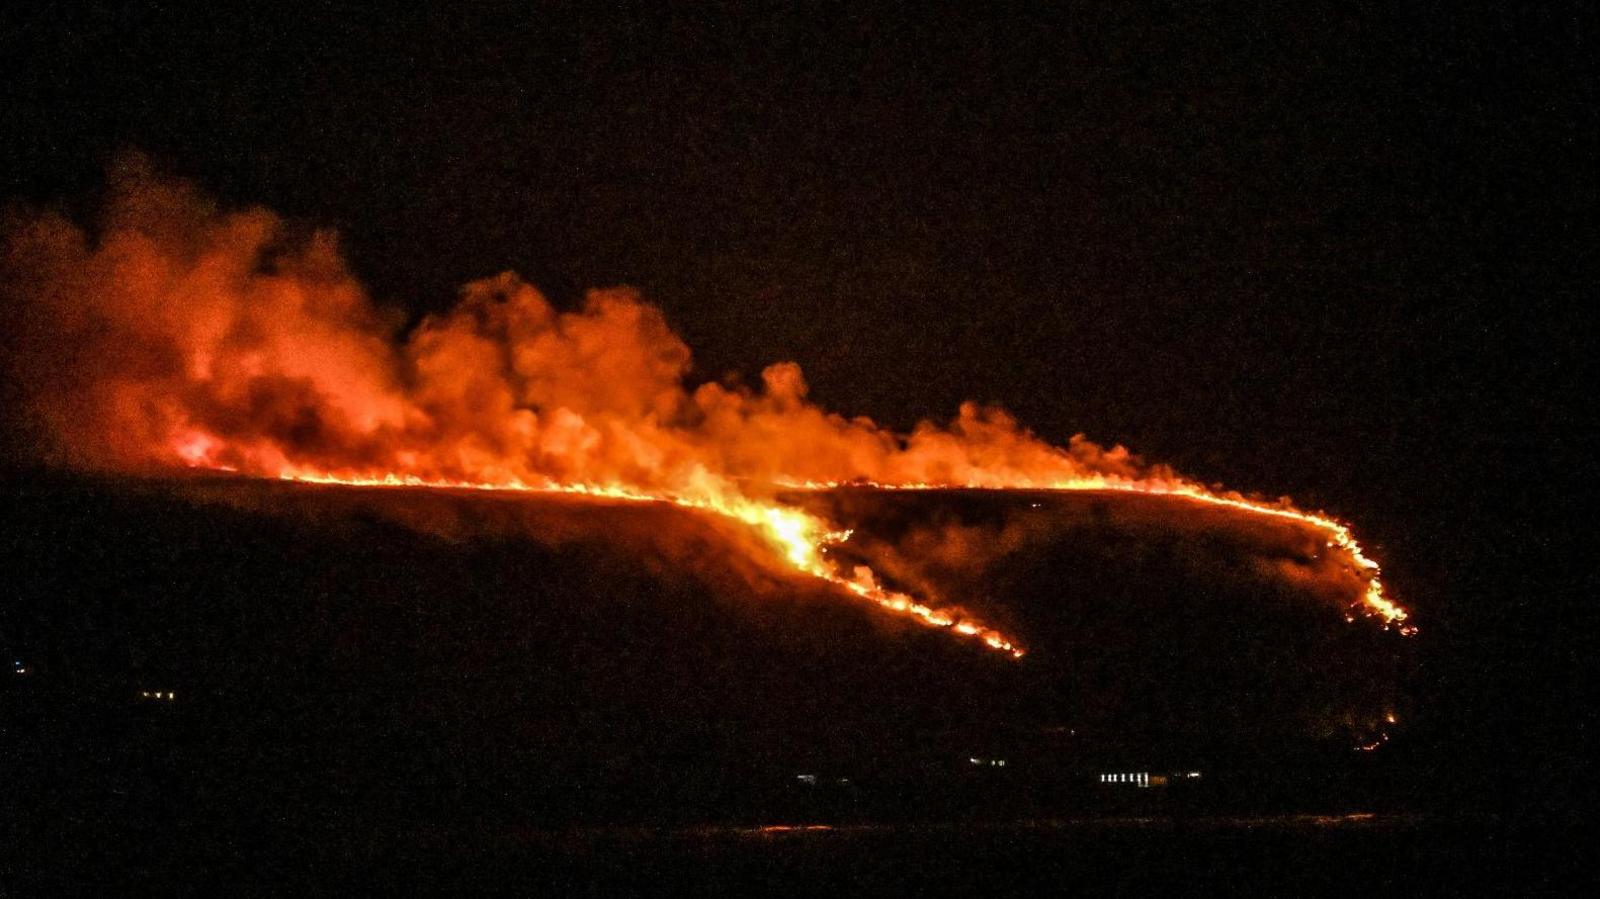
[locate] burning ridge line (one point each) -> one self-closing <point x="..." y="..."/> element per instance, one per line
<point x="801" y="539"/>
<point x="1374" y="600"/>
<point x="185" y="333"/>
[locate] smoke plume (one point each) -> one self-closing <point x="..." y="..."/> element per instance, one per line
<point x="174" y="332"/>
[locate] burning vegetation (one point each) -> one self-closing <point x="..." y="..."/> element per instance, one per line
<point x="175" y="333"/>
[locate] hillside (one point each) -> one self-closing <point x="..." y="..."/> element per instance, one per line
<point x="432" y="653"/>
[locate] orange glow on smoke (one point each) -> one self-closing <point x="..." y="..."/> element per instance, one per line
<point x="177" y="334"/>
<point x="1374" y="600"/>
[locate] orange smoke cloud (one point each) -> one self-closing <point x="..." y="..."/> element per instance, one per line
<point x="176" y="332"/>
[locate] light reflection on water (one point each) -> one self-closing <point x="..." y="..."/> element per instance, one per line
<point x="791" y="830"/>
<point x="1229" y="822"/>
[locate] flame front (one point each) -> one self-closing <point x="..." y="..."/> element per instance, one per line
<point x="800" y="539"/>
<point x="183" y="335"/>
<point x="1374" y="600"/>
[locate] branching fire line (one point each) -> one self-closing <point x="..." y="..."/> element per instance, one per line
<point x="176" y="333"/>
<point x="800" y="539"/>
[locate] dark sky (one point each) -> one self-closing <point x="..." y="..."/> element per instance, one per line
<point x="1331" y="253"/>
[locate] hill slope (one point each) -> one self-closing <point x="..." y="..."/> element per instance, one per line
<point x="429" y="652"/>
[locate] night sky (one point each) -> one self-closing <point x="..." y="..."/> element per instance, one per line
<point x="1335" y="254"/>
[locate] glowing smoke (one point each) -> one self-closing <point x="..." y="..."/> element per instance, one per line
<point x="179" y="333"/>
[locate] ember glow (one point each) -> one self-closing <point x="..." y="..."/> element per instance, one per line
<point x="177" y="334"/>
<point x="802" y="540"/>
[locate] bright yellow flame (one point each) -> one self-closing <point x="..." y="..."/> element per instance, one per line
<point x="799" y="538"/>
<point x="1374" y="600"/>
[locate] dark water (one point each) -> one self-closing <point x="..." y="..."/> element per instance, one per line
<point x="1347" y="854"/>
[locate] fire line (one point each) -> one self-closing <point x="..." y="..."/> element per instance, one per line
<point x="185" y="333"/>
<point x="800" y="539"/>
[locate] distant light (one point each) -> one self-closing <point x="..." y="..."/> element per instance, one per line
<point x="792" y="828"/>
<point x="806" y="778"/>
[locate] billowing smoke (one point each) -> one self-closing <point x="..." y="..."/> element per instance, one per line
<point x="174" y="332"/>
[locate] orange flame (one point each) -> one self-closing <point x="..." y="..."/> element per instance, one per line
<point x="181" y="334"/>
<point x="800" y="539"/>
<point x="1374" y="599"/>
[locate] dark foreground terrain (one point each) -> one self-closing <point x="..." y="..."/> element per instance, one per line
<point x="1269" y="855"/>
<point x="217" y="683"/>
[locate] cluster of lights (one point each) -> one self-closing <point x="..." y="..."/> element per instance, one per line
<point x="1145" y="779"/>
<point x="811" y="780"/>
<point x="167" y="696"/>
<point x="1375" y="744"/>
